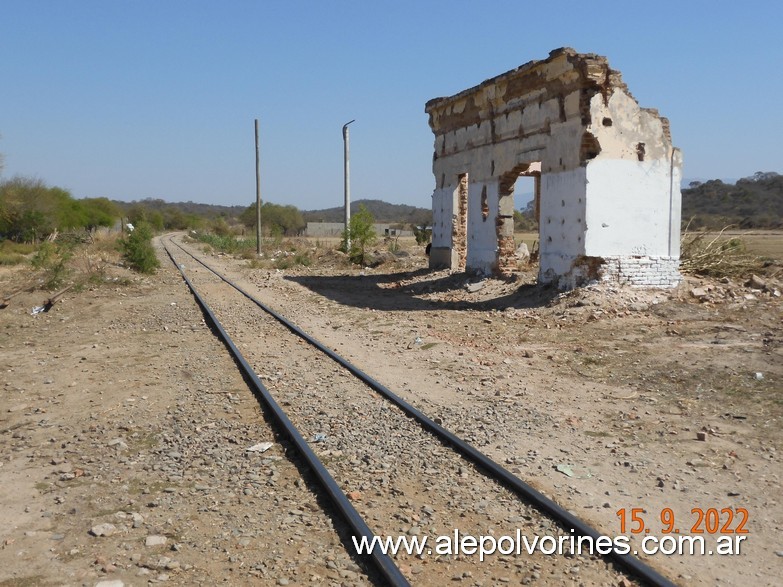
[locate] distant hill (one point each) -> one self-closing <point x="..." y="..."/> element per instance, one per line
<point x="195" y="208"/>
<point x="382" y="211"/>
<point x="753" y="202"/>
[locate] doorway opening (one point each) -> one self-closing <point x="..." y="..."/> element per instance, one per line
<point x="518" y="221"/>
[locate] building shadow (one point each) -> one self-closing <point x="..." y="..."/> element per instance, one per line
<point x="406" y="291"/>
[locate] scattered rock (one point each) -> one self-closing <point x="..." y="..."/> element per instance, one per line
<point x="260" y="447"/>
<point x="155" y="540"/>
<point x="523" y="253"/>
<point x="756" y="282"/>
<point x="118" y="444"/>
<point x="699" y="293"/>
<point x="103" y="530"/>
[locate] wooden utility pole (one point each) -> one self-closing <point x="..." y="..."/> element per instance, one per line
<point x="258" y="196"/>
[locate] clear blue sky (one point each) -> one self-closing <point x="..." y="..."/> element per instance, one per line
<point x="156" y="98"/>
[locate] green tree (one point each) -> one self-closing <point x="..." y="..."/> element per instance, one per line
<point x="524" y="221"/>
<point x="155" y="219"/>
<point x="30" y="210"/>
<point x="141" y="212"/>
<point x="174" y="218"/>
<point x="195" y="221"/>
<point x="99" y="212"/>
<point x="66" y="212"/>
<point x="275" y="219"/>
<point x="422" y="232"/>
<point x="220" y="227"/>
<point x="248" y="216"/>
<point x="362" y="235"/>
<point x="137" y="213"/>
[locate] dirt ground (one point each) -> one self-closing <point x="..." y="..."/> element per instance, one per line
<point x="607" y="399"/>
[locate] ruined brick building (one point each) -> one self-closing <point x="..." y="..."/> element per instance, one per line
<point x="607" y="192"/>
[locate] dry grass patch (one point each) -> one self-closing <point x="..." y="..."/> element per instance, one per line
<point x="716" y="255"/>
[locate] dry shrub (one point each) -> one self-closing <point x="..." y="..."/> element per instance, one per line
<point x="714" y="255"/>
<point x="75" y="262"/>
<point x="92" y="266"/>
<point x="52" y="261"/>
<point x="102" y="253"/>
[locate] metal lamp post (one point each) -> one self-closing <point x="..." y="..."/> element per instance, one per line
<point x="347" y="183"/>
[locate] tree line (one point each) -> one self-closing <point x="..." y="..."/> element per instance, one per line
<point x="31" y="211"/>
<point x="753" y="202"/>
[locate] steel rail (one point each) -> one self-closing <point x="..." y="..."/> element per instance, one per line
<point x="566" y="519"/>
<point x="384" y="564"/>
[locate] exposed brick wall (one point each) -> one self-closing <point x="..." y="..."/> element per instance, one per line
<point x="644" y="271"/>
<point x="459" y="226"/>
<point x="507" y="248"/>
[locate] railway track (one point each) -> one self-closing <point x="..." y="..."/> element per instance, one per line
<point x="389" y="469"/>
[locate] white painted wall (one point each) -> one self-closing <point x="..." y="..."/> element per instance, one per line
<point x="442" y="209"/>
<point x="441" y="253"/>
<point x="629" y="211"/>
<point x="482" y="234"/>
<point x="675" y="204"/>
<point x="562" y="221"/>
